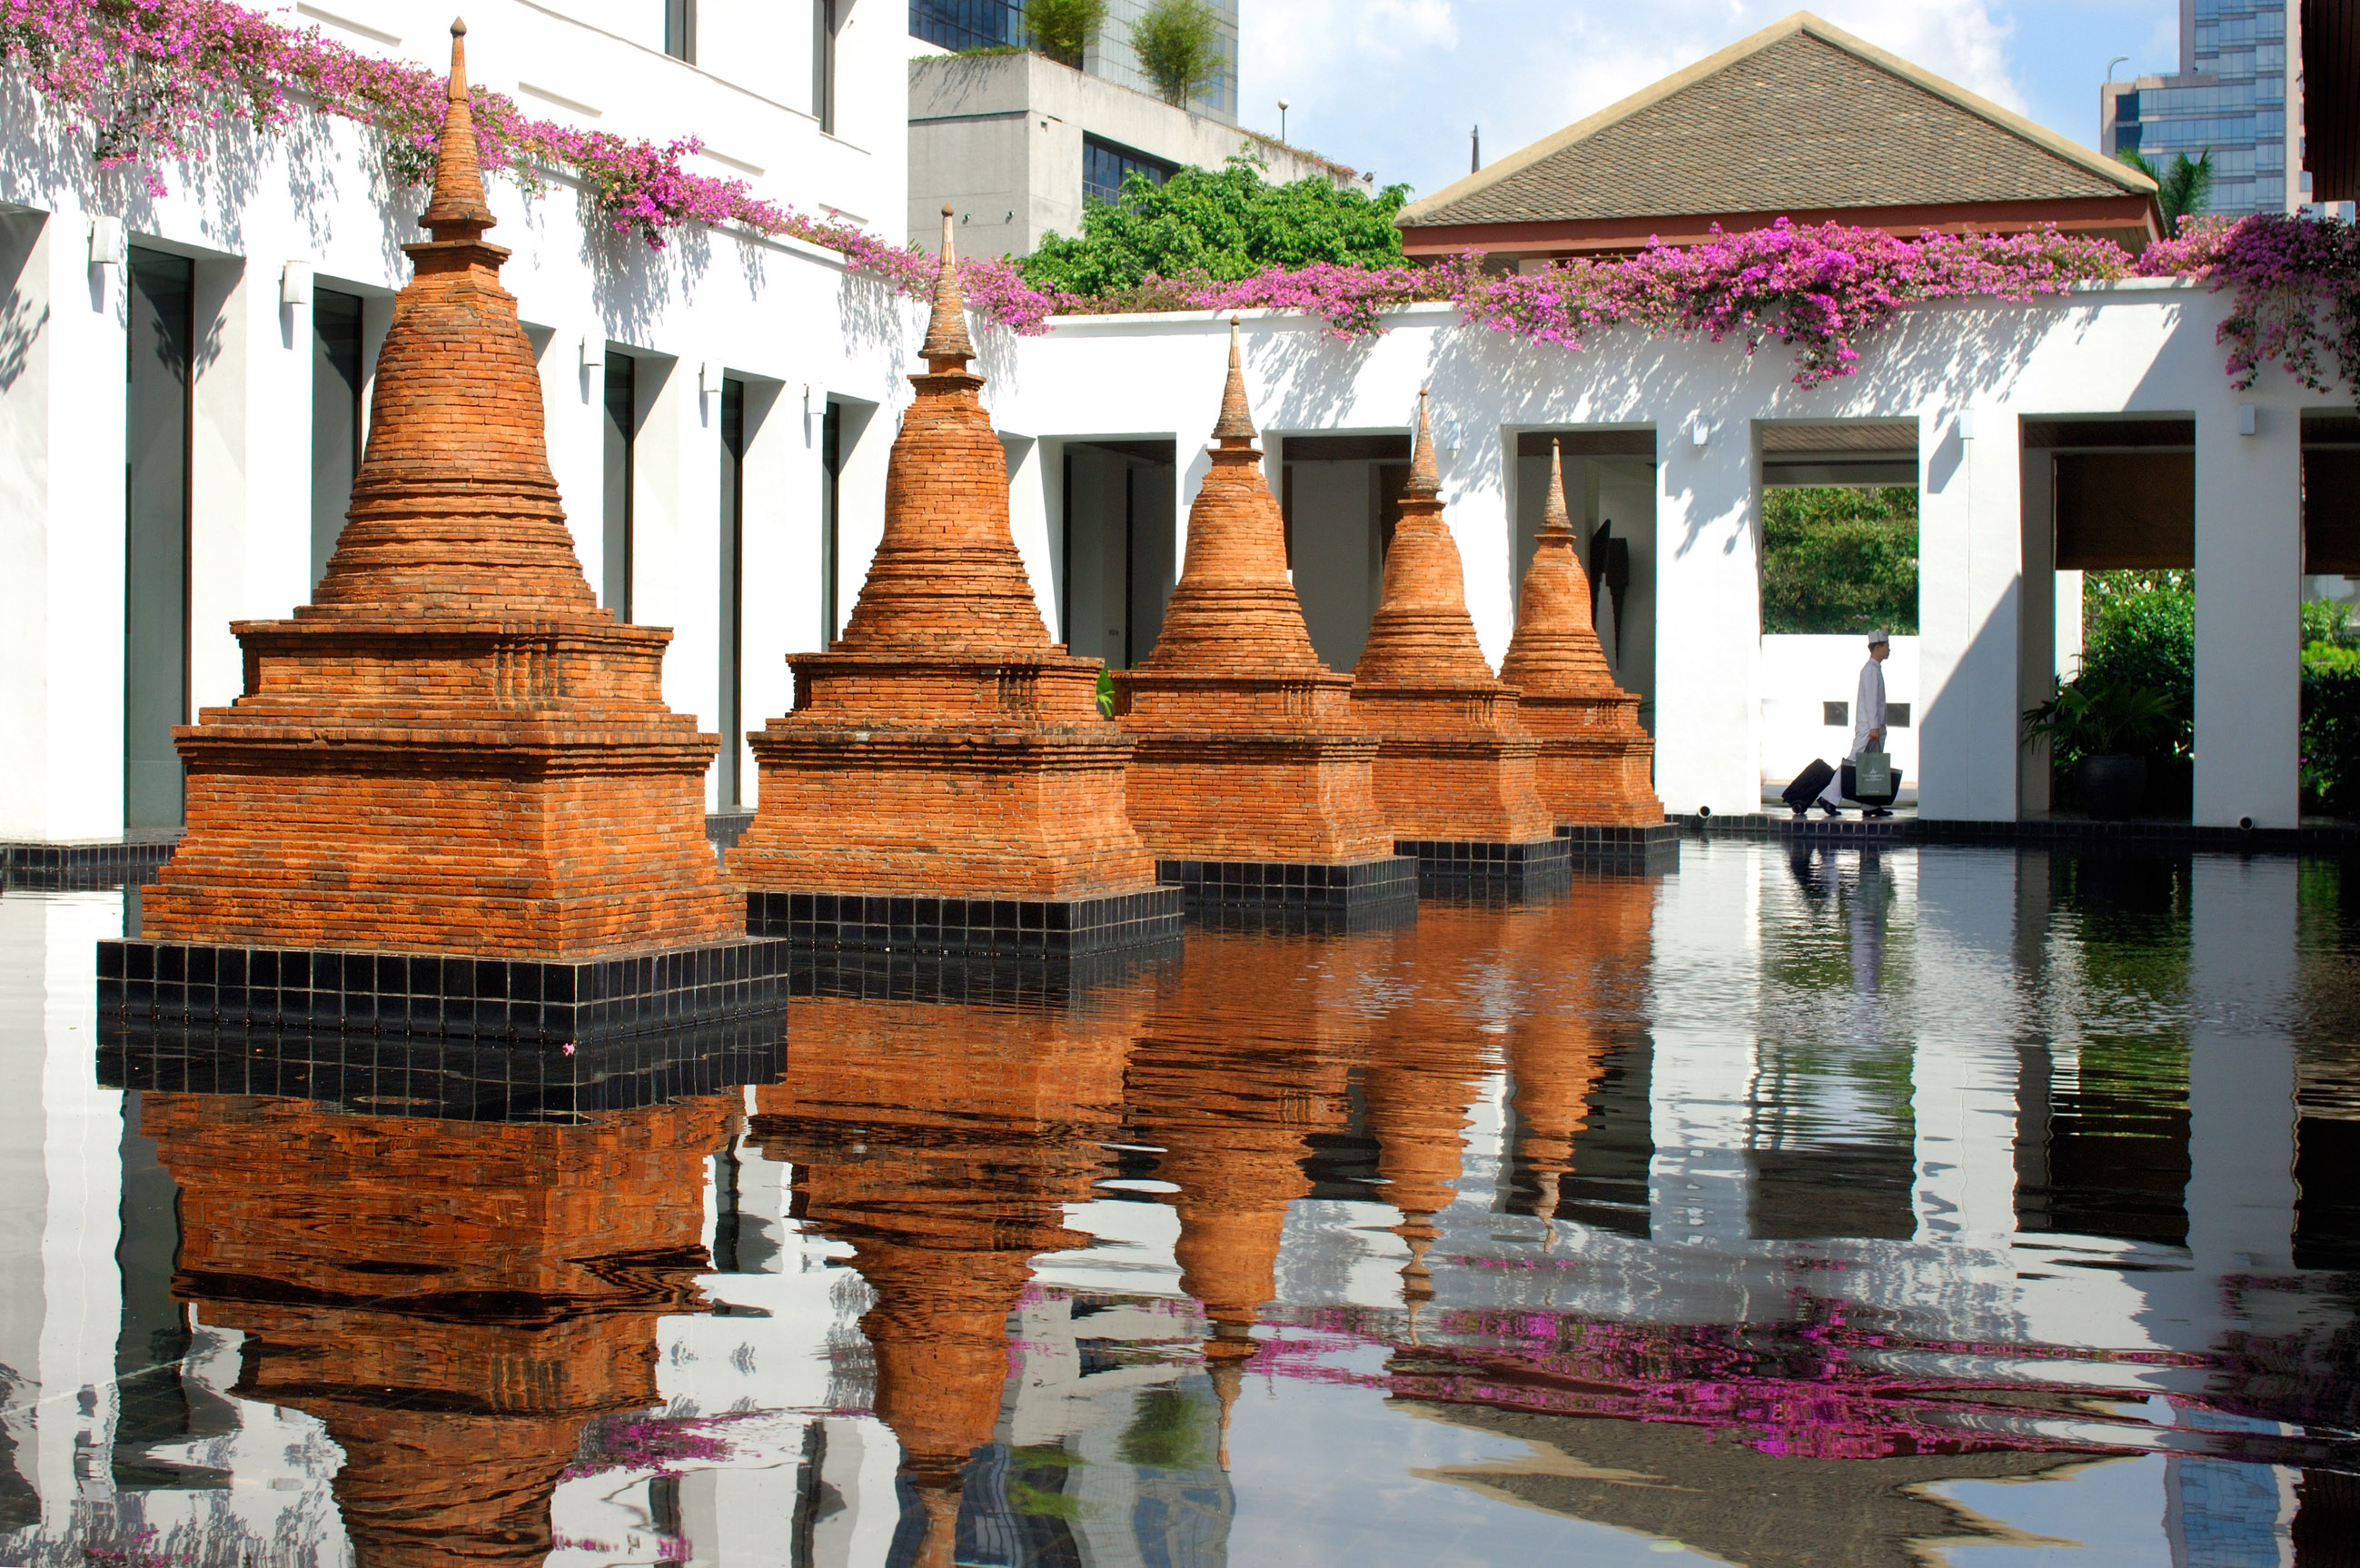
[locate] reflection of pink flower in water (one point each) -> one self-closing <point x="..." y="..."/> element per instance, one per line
<point x="658" y="1443"/>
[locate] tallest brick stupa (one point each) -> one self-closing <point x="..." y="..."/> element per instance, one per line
<point x="946" y="781"/>
<point x="453" y="751"/>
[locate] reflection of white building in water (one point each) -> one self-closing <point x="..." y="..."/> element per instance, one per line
<point x="1904" y="1093"/>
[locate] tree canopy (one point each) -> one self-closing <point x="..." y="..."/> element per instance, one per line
<point x="1062" y="29"/>
<point x="1223" y="224"/>
<point x="2183" y="188"/>
<point x="1840" y="560"/>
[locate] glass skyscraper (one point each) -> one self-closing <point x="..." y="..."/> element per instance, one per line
<point x="2237" y="95"/>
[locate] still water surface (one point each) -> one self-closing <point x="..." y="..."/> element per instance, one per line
<point x="1940" y="1206"/>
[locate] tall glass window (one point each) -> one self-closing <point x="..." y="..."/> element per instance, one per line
<point x="967" y="24"/>
<point x="1105" y="166"/>
<point x="622" y="436"/>
<point x="335" y="418"/>
<point x="830" y="465"/>
<point x="823" y="64"/>
<point x="680" y="29"/>
<point x="159" y="404"/>
<point x="733" y="592"/>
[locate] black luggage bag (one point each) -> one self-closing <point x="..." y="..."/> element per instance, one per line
<point x="1808" y="785"/>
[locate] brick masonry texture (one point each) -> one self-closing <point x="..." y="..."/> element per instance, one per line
<point x="1454" y="762"/>
<point x="1247" y="746"/>
<point x="451" y="748"/>
<point x="1595" y="765"/>
<point x="486" y="1292"/>
<point x="944" y="747"/>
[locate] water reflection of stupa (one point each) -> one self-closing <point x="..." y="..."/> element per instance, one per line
<point x="943" y="1141"/>
<point x="455" y="1301"/>
<point x="1247" y="1058"/>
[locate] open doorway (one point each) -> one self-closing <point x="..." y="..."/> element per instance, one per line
<point x="1340" y="498"/>
<point x="1120" y="559"/>
<point x="1839" y="544"/>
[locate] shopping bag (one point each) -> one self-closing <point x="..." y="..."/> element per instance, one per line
<point x="1873" y="774"/>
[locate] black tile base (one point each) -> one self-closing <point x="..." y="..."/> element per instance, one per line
<point x="1293" y="896"/>
<point x="1536" y="868"/>
<point x="471" y="1080"/>
<point x="35" y="866"/>
<point x="979" y="928"/>
<point x="2327" y="840"/>
<point x="543" y="1002"/>
<point x="1851" y="828"/>
<point x="1653" y="848"/>
<point x="872" y="974"/>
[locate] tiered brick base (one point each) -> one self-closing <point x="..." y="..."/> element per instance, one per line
<point x="473" y="1080"/>
<point x="540" y="1003"/>
<point x="974" y="927"/>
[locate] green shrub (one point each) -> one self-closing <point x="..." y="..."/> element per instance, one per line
<point x="1062" y="29"/>
<point x="1222" y="225"/>
<point x="1178" y="43"/>
<point x="2147" y="638"/>
<point x="1840" y="560"/>
<point x="2331" y="729"/>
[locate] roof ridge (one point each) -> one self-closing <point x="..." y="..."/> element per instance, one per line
<point x="2089" y="159"/>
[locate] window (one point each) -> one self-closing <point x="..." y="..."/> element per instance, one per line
<point x="680" y="29"/>
<point x="622" y="438"/>
<point x="823" y="64"/>
<point x="967" y="24"/>
<point x="1835" y="715"/>
<point x="830" y="465"/>
<point x="335" y="418"/>
<point x="1105" y="166"/>
<point x="730" y="787"/>
<point x="159" y="404"/>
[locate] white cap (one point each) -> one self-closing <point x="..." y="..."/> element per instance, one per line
<point x="1878" y="636"/>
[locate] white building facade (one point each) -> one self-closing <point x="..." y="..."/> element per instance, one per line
<point x="719" y="413"/>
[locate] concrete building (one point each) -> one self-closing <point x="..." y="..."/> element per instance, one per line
<point x="957" y="25"/>
<point x="1018" y="144"/>
<point x="2237" y="95"/>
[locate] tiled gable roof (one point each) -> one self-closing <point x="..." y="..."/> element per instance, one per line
<point x="1800" y="117"/>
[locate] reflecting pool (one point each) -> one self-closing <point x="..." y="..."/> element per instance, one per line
<point x="1941" y="1205"/>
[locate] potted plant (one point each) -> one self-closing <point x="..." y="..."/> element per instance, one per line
<point x="2108" y="727"/>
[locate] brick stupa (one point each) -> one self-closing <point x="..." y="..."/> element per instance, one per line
<point x="946" y="781"/>
<point x="1456" y="772"/>
<point x="1252" y="782"/>
<point x="452" y="750"/>
<point x="1596" y="767"/>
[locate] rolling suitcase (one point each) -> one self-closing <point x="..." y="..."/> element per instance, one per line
<point x="1808" y="785"/>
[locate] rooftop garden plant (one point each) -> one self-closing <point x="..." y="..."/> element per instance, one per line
<point x="1178" y="43"/>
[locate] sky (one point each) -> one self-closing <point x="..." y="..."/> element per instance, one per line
<point x="1394" y="86"/>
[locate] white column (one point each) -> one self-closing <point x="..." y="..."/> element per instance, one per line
<point x="573" y="415"/>
<point x="62" y="547"/>
<point x="2248" y="594"/>
<point x="1707" y="621"/>
<point x="780" y="553"/>
<point x="1028" y="520"/>
<point x="1969" y="589"/>
<point x="676" y="537"/>
<point x="229" y="314"/>
<point x="1474" y="489"/>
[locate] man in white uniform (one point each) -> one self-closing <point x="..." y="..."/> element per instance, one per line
<point x="1867" y="721"/>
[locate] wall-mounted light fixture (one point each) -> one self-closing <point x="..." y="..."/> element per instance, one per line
<point x="107" y="247"/>
<point x="1966" y="424"/>
<point x="2247" y="419"/>
<point x="295" y="283"/>
<point x="1699" y="431"/>
<point x="708" y="379"/>
<point x="593" y="352"/>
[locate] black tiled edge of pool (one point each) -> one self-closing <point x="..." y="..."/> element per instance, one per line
<point x="536" y="1002"/>
<point x="74" y="868"/>
<point x="475" y="1081"/>
<point x="1213" y="889"/>
<point x="982" y="928"/>
<point x="870" y="974"/>
<point x="2324" y="840"/>
<point x="1654" y="847"/>
<point x="1456" y="870"/>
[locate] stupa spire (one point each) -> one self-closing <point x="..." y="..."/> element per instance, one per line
<point x="1556" y="519"/>
<point x="1235" y="427"/>
<point x="1423" y="480"/>
<point x="947" y="346"/>
<point x="458" y="211"/>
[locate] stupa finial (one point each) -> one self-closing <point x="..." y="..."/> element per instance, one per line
<point x="1236" y="426"/>
<point x="1554" y="517"/>
<point x="458" y="211"/>
<point x="1423" y="480"/>
<point x="947" y="345"/>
